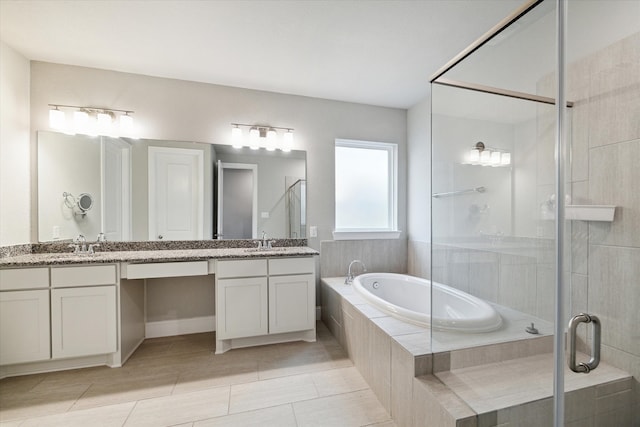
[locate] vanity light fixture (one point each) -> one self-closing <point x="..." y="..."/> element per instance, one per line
<point x="261" y="136"/>
<point x="487" y="156"/>
<point x="91" y="120"/>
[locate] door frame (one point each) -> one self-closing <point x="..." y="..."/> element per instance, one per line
<point x="125" y="190"/>
<point x="254" y="213"/>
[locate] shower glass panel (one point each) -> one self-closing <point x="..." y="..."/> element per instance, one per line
<point x="495" y="234"/>
<point x="494" y="206"/>
<point x="492" y="210"/>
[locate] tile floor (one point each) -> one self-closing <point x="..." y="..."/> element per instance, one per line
<point x="178" y="381"/>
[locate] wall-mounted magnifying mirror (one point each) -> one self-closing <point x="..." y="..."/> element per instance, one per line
<point x="85" y="202"/>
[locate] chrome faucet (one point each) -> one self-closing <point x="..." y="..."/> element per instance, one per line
<point x="80" y="246"/>
<point x="350" y="275"/>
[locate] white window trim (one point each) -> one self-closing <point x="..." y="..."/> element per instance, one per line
<point x="382" y="233"/>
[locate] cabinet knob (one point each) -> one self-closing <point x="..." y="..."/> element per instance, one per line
<point x="160" y="236"/>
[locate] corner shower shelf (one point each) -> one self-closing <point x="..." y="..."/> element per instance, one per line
<point x="590" y="212"/>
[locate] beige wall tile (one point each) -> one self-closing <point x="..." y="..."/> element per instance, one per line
<point x="379" y="359"/>
<point x="484" y="269"/>
<point x="613" y="97"/>
<point x="402" y="375"/>
<point x="419" y="259"/>
<point x="388" y="255"/>
<point x="613" y="175"/>
<point x="614" y="296"/>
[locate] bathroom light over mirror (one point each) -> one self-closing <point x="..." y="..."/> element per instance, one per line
<point x="91" y="121"/>
<point x="262" y="136"/>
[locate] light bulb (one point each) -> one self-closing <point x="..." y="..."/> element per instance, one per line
<point x="474" y="156"/>
<point x="485" y="157"/>
<point x="505" y="159"/>
<point x="56" y="119"/>
<point x="495" y="158"/>
<point x="287" y="140"/>
<point x="103" y="121"/>
<point x="126" y="124"/>
<point x="81" y="121"/>
<point x="272" y="137"/>
<point x="236" y="137"/>
<point x="254" y="138"/>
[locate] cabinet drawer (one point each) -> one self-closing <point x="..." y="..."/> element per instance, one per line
<point x="165" y="269"/>
<point x="242" y="268"/>
<point x="90" y="275"/>
<point x="24" y="278"/>
<point x="279" y="266"/>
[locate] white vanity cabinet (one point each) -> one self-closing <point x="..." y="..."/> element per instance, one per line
<point x="264" y="301"/>
<point x="24" y="315"/>
<point x="83" y="311"/>
<point x="241" y="299"/>
<point x="291" y="295"/>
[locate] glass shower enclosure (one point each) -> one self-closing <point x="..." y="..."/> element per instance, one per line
<point x="525" y="204"/>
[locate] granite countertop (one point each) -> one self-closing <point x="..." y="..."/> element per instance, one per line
<point x="143" y="256"/>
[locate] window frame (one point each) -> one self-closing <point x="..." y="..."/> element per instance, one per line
<point x="390" y="232"/>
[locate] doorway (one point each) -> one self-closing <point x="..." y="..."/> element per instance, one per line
<point x="237" y="213"/>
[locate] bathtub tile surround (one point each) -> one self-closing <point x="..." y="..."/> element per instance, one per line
<point x="388" y="255"/>
<point x="503" y="381"/>
<point x="419" y="258"/>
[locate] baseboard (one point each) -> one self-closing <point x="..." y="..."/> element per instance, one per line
<point x="167" y="328"/>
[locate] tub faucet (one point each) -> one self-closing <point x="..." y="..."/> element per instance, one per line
<point x="350" y="275"/>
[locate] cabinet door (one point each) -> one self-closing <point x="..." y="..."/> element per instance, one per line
<point x="83" y="321"/>
<point x="241" y="308"/>
<point x="291" y="303"/>
<point x="24" y="326"/>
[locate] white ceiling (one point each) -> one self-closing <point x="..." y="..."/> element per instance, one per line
<point x="366" y="51"/>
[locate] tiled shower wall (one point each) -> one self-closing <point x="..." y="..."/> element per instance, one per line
<point x="605" y="89"/>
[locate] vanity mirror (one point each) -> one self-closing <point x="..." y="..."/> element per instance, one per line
<point x="167" y="190"/>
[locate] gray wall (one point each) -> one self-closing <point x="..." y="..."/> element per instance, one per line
<point x="190" y="111"/>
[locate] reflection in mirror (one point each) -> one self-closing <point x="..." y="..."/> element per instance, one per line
<point x="115" y="173"/>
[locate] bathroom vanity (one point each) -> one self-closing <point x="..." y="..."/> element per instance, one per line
<point x="63" y="311"/>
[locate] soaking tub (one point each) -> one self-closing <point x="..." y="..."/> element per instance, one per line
<point x="408" y="298"/>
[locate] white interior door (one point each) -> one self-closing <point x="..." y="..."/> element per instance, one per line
<point x="116" y="189"/>
<point x="176" y="194"/>
<point x="237" y="201"/>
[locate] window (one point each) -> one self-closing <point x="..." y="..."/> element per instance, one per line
<point x="366" y="201"/>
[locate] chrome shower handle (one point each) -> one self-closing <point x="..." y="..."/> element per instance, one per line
<point x="595" y="343"/>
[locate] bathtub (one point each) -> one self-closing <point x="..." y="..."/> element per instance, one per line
<point x="408" y="298"/>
